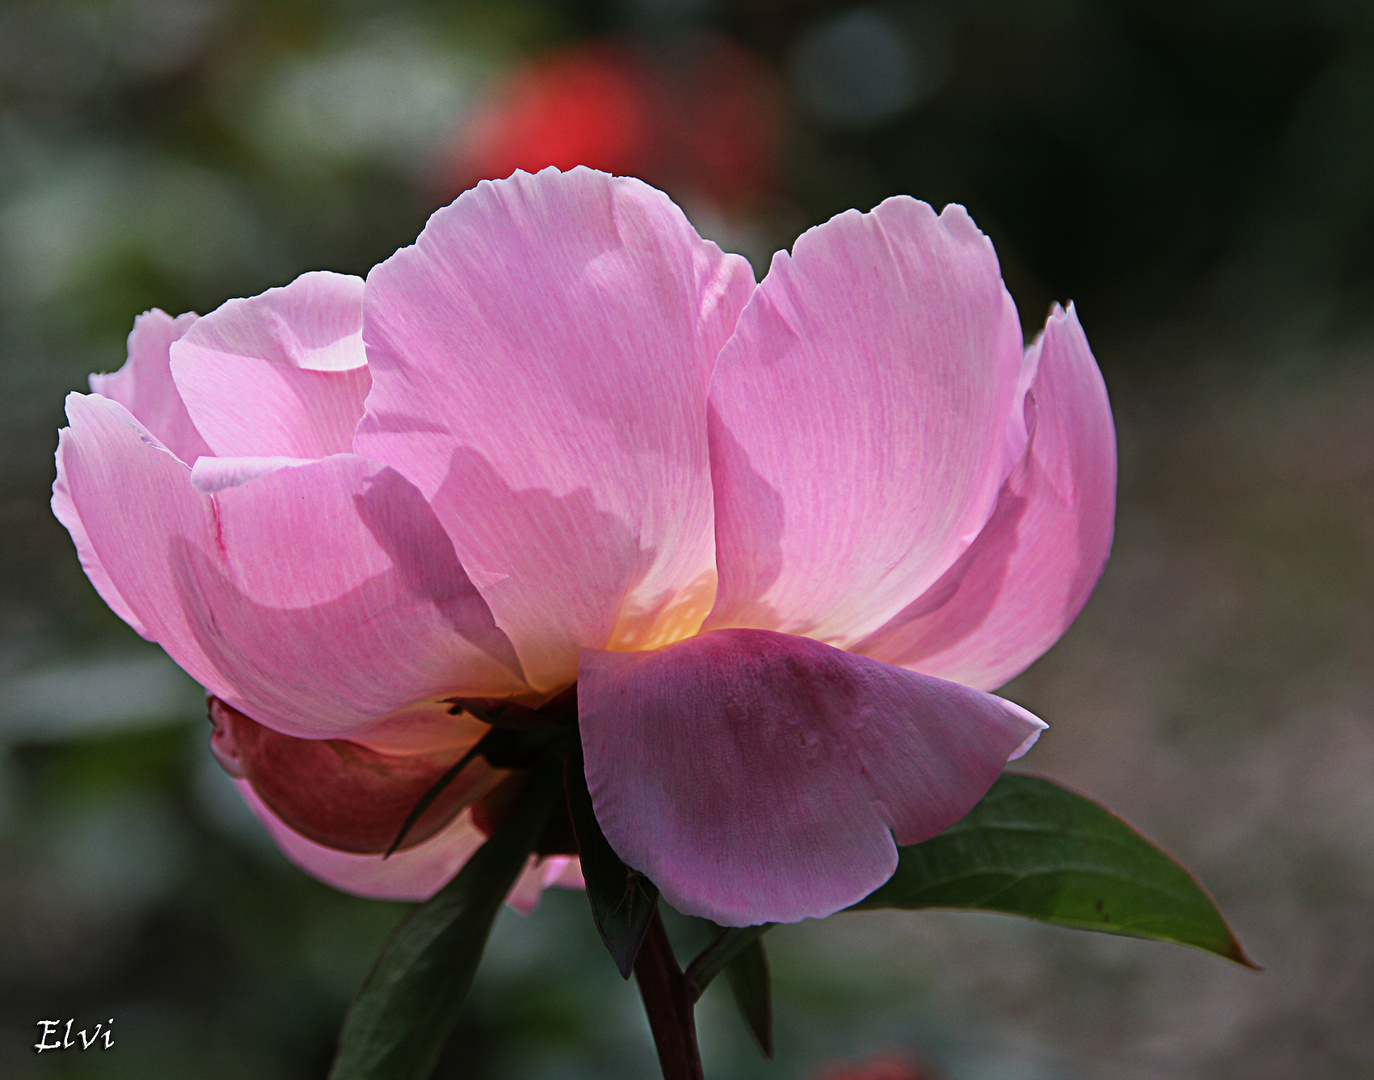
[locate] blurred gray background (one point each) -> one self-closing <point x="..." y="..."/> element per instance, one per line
<point x="1198" y="177"/>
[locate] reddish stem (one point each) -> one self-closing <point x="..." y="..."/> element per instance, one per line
<point x="670" y="1011"/>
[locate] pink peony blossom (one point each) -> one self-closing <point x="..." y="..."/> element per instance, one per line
<point x="783" y="537"/>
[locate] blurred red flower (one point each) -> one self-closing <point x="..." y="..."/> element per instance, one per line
<point x="701" y="120"/>
<point x="884" y="1067"/>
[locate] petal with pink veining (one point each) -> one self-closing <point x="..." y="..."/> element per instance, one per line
<point x="540" y="359"/>
<point x="280" y="374"/>
<point x="317" y="599"/>
<point x="127" y="490"/>
<point x="1025" y="579"/>
<point x="759" y="777"/>
<point x="144" y="384"/>
<point x="426" y="727"/>
<point x="65" y="511"/>
<point x="858" y="421"/>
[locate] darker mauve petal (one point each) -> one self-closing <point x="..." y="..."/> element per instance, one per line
<point x="758" y="777"/>
<point x="338" y="793"/>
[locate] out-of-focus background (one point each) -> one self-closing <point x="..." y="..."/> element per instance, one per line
<point x="1198" y="177"/>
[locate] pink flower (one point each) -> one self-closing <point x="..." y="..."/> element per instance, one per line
<point x="783" y="537"/>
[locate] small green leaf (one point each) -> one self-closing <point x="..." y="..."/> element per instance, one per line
<point x="427" y="799"/>
<point x="1034" y="848"/>
<point x="623" y="900"/>
<point x="753" y="991"/>
<point x="396" y="1026"/>
<point x="717" y="956"/>
<point x="503" y="747"/>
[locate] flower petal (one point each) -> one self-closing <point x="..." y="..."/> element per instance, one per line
<point x="564" y="871"/>
<point x="214" y="474"/>
<point x="341" y="794"/>
<point x="145" y="388"/>
<point x="858" y="421"/>
<point x="126" y="489"/>
<point x="144" y="384"/>
<point x="65" y="511"/>
<point x="318" y="599"/>
<point x="540" y="359"/>
<point x="1025" y="579"/>
<point x="427" y="727"/>
<point x="414" y="874"/>
<point x="754" y="776"/>
<point x="280" y="374"/>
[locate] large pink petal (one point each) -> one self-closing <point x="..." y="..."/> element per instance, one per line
<point x="758" y="777"/>
<point x="416" y="873"/>
<point x="317" y="599"/>
<point x="65" y="511"/>
<point x="859" y="417"/>
<point x="134" y="499"/>
<point x="1024" y="580"/>
<point x="280" y="374"/>
<point x="540" y="359"/>
<point x="144" y="384"/>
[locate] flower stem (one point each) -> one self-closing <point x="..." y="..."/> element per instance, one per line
<point x="668" y="1005"/>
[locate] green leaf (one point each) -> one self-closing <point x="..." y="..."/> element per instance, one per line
<point x="623" y="900"/>
<point x="717" y="956"/>
<point x="503" y="747"/>
<point x="738" y="951"/>
<point x="753" y="991"/>
<point x="396" y="1026"/>
<point x="427" y="799"/>
<point x="1034" y="848"/>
